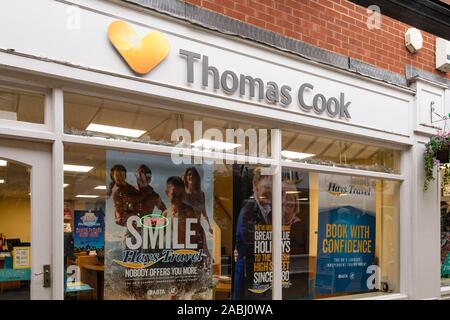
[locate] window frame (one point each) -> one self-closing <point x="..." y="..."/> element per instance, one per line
<point x="274" y="161"/>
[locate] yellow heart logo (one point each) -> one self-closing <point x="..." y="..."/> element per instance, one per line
<point x="141" y="54"/>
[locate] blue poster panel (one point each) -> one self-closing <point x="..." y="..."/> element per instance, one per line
<point x="346" y="235"/>
<point x="89" y="230"/>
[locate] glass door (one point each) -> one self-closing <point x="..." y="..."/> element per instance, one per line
<point x="25" y="225"/>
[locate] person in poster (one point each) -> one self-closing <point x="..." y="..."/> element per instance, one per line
<point x="295" y="234"/>
<point x="124" y="195"/>
<point x="178" y="212"/>
<point x="189" y="235"/>
<point x="194" y="194"/>
<point x="130" y="201"/>
<point x="252" y="273"/>
<point x="149" y="198"/>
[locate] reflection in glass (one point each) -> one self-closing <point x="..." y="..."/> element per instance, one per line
<point x="110" y="119"/>
<point x="21" y="106"/>
<point x="334" y="152"/>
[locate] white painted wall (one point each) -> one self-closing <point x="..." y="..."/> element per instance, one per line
<point x="46" y="26"/>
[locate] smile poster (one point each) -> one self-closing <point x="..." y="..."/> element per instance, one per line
<point x="158" y="228"/>
<point x="346" y="235"/>
<point x="89" y="233"/>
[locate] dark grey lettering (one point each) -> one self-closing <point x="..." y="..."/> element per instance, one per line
<point x="301" y="98"/>
<point x="206" y="69"/>
<point x="344" y="106"/>
<point x="272" y="92"/>
<point x="286" y="98"/>
<point x="190" y="56"/>
<point x="251" y="83"/>
<point x="330" y="110"/>
<point x="224" y="82"/>
<point x="323" y="103"/>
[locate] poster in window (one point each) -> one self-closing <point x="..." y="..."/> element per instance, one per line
<point x="346" y="235"/>
<point x="21" y="257"/>
<point x="252" y="236"/>
<point x="158" y="228"/>
<point x="295" y="234"/>
<point x="89" y="230"/>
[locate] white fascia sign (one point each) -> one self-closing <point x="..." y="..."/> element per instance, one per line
<point x="271" y="92"/>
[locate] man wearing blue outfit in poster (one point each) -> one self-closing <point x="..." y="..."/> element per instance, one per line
<point x="257" y="210"/>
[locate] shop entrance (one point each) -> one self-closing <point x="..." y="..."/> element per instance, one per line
<point x="25" y="220"/>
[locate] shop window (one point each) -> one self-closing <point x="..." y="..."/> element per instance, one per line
<point x="138" y="226"/>
<point x="112" y="119"/>
<point x="329" y="151"/>
<point x="445" y="236"/>
<point x="21" y="106"/>
<point x="340" y="235"/>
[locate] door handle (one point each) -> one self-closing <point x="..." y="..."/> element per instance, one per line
<point x="47" y="276"/>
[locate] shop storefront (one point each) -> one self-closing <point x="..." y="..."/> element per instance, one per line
<point x="147" y="158"/>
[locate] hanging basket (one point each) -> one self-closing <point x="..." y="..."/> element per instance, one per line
<point x="443" y="155"/>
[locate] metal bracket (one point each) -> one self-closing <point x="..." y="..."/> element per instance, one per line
<point x="441" y="118"/>
<point x="433" y="112"/>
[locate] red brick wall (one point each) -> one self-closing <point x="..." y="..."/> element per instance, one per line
<point x="335" y="25"/>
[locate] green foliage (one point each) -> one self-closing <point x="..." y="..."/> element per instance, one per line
<point x="437" y="143"/>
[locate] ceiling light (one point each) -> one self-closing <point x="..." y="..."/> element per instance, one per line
<point x="211" y="144"/>
<point x="3" y="163"/>
<point x="86" y="196"/>
<point x="115" y="130"/>
<point x="296" y="155"/>
<point x="2" y="181"/>
<point x="66" y="185"/>
<point x="292" y="192"/>
<point x="76" y="168"/>
<point x="100" y="188"/>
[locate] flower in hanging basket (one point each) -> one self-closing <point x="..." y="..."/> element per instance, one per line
<point x="437" y="152"/>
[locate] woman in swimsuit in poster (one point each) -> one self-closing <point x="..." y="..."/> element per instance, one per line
<point x="194" y="194"/>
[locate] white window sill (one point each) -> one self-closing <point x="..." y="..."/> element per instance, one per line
<point x="389" y="296"/>
<point x="372" y="296"/>
<point x="445" y="291"/>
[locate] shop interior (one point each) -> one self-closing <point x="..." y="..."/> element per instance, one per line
<point x="15" y="240"/>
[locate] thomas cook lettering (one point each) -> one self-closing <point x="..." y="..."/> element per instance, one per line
<point x="270" y="91"/>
